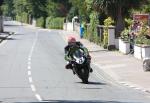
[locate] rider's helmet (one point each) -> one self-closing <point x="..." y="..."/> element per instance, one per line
<point x="71" y="40"/>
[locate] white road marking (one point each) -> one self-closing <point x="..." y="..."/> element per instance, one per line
<point x="123" y="83"/>
<point x="29" y="73"/>
<point x="29" y="59"/>
<point x="38" y="97"/>
<point x="30" y="79"/>
<point x="29" y="67"/>
<point x="33" y="87"/>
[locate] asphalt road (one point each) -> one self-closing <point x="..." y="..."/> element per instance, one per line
<point x="32" y="71"/>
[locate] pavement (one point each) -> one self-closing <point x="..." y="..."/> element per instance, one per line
<point x="125" y="69"/>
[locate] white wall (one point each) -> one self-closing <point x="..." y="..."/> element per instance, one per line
<point x="124" y="47"/>
<point x="146" y="52"/>
<point x="111" y="36"/>
<point x="141" y="52"/>
<point x="137" y="52"/>
<point x="117" y="43"/>
<point x="68" y="26"/>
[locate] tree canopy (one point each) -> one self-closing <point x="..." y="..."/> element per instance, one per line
<point x="117" y="9"/>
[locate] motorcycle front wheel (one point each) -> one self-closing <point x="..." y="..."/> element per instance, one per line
<point x="84" y="75"/>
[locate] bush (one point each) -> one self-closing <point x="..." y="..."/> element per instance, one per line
<point x="54" y="23"/>
<point x="22" y="17"/>
<point x="128" y="22"/>
<point x="125" y="35"/>
<point x="91" y="33"/>
<point x="107" y="22"/>
<point x="141" y="38"/>
<point x="40" y="22"/>
<point x="73" y="11"/>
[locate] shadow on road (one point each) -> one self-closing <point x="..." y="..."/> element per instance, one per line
<point x="96" y="83"/>
<point x="77" y="101"/>
<point x="10" y="39"/>
<point x="18" y="34"/>
<point x="11" y="25"/>
<point x="93" y="83"/>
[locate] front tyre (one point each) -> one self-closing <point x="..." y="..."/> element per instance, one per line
<point x="85" y="81"/>
<point x="84" y="75"/>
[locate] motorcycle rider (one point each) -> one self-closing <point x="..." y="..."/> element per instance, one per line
<point x="72" y="46"/>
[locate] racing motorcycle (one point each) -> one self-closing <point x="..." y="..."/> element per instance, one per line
<point x="81" y="65"/>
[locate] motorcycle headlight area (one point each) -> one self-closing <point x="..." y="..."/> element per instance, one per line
<point x="80" y="60"/>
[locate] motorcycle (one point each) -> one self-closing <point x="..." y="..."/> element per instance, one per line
<point x="81" y="65"/>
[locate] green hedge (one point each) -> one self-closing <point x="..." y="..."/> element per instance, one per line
<point x="40" y="22"/>
<point x="54" y="23"/>
<point x="22" y="17"/>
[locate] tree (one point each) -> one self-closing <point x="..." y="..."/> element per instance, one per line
<point x="22" y="9"/>
<point x="1" y="16"/>
<point x="38" y="8"/>
<point x="8" y="8"/>
<point x="55" y="9"/>
<point x="83" y="7"/>
<point x="117" y="9"/>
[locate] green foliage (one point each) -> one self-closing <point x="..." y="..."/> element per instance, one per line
<point x="8" y="9"/>
<point x="128" y="22"/>
<point x="22" y="18"/>
<point x="141" y="38"/>
<point x="107" y="22"/>
<point x="83" y="7"/>
<point x="22" y="10"/>
<point x="145" y="8"/>
<point x="73" y="12"/>
<point x="37" y="8"/>
<point x="57" y="8"/>
<point x="125" y="34"/>
<point x="40" y="22"/>
<point x="20" y="6"/>
<point x="92" y="30"/>
<point x="54" y="23"/>
<point x="143" y="31"/>
<point x="26" y="10"/>
<point x="117" y="9"/>
<point x="113" y="7"/>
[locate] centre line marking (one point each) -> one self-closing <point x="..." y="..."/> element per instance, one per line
<point x="30" y="79"/>
<point x="29" y="67"/>
<point x="33" y="87"/>
<point x="29" y="72"/>
<point x="38" y="97"/>
<point x="29" y="59"/>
